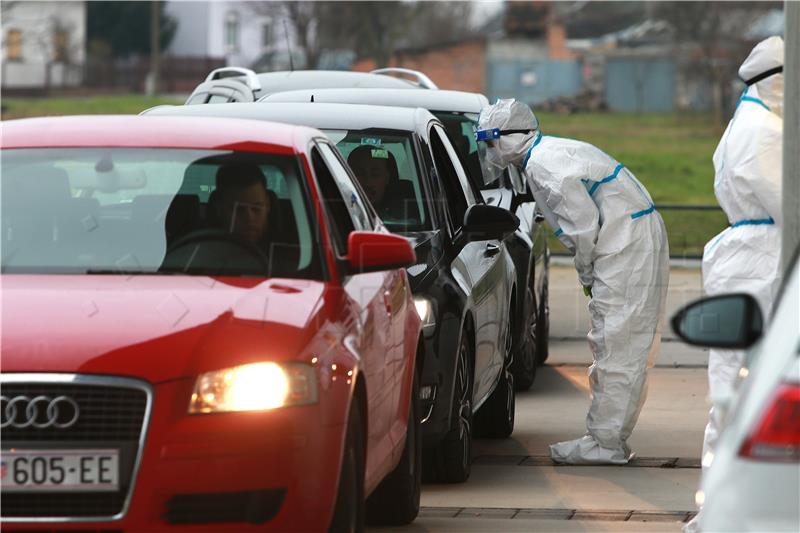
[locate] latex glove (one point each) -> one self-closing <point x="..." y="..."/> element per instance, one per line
<point x="587" y="290"/>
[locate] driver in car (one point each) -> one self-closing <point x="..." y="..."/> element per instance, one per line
<point x="243" y="202"/>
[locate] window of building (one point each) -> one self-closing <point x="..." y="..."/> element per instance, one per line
<point x="232" y="32"/>
<point x="14" y="45"/>
<point x="61" y="46"/>
<point x="266" y="34"/>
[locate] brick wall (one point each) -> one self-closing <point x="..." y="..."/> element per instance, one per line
<point x="460" y="67"/>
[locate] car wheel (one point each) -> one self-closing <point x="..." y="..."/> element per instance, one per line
<point x="348" y="515"/>
<point x="451" y="461"/>
<point x="525" y="358"/>
<point x="543" y="328"/>
<point x="396" y="500"/>
<point x="495" y="418"/>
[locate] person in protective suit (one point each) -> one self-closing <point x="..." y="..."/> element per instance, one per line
<point x="745" y="257"/>
<point x="606" y="218"/>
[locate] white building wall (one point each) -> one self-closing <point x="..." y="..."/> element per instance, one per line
<point x="37" y="22"/>
<point x="191" y="36"/>
<point x="202" y="30"/>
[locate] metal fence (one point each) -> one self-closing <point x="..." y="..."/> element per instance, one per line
<point x="689" y="228"/>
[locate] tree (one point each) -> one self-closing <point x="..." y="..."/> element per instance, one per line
<point x="370" y="29"/>
<point x="710" y="39"/>
<point x="125" y="26"/>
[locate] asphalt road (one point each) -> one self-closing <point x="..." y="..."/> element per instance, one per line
<point x="515" y="487"/>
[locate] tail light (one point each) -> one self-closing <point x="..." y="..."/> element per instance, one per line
<point x="777" y="435"/>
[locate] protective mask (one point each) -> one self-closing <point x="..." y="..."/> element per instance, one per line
<point x="494" y="159"/>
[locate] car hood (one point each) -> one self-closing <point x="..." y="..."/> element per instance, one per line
<point x="155" y="328"/>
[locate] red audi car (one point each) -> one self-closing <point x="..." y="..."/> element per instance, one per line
<point x="205" y="327"/>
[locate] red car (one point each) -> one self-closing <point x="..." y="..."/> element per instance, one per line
<point x="205" y="327"/>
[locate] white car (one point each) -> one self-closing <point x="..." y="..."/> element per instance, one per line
<point x="753" y="483"/>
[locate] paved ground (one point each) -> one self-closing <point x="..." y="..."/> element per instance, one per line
<point x="515" y="487"/>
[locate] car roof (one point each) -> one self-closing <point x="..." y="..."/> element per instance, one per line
<point x="154" y="131"/>
<point x="438" y="100"/>
<point x="272" y="82"/>
<point x="321" y="116"/>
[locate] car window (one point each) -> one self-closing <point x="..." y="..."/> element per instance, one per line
<point x="463" y="181"/>
<point x="355" y="202"/>
<point x="385" y="164"/>
<point x="446" y="174"/>
<point x="148" y="211"/>
<point x="340" y="220"/>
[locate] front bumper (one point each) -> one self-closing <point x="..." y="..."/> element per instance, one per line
<point x="274" y="471"/>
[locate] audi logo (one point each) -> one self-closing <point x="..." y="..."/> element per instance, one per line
<point x="40" y="412"/>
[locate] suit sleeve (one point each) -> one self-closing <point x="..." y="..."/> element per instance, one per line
<point x="764" y="173"/>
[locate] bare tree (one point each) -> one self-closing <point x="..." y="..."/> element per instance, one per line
<point x="709" y="38"/>
<point x="370" y="29"/>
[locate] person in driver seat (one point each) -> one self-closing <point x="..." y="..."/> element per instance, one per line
<point x="376" y="170"/>
<point x="242" y="202"/>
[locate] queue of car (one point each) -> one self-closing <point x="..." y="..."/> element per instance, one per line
<point x="184" y="350"/>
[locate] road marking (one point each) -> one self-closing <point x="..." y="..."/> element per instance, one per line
<point x="556" y="514"/>
<point x="544" y="460"/>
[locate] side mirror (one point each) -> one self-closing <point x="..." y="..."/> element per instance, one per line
<point x="732" y="321"/>
<point x="482" y="222"/>
<point x="372" y="251"/>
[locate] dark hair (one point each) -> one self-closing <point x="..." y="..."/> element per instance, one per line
<point x="239" y="176"/>
<point x="364" y="153"/>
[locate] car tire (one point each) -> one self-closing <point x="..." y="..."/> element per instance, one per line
<point x="525" y="344"/>
<point x="396" y="500"/>
<point x="451" y="460"/>
<point x="495" y="418"/>
<point x="349" y="513"/>
<point x="543" y="327"/>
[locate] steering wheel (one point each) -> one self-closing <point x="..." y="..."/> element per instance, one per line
<point x="220" y="235"/>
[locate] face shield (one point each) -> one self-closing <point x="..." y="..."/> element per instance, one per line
<point x="506" y="129"/>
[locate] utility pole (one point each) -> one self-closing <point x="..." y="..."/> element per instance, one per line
<point x="155" y="48"/>
<point x="791" y="133"/>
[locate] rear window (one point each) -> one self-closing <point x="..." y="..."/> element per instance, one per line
<point x="156" y="211"/>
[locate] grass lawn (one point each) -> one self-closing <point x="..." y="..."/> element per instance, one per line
<point x="669" y="153"/>
<point x="117" y="104"/>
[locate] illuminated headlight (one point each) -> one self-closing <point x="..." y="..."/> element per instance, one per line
<point x="254" y="387"/>
<point x="426" y="313"/>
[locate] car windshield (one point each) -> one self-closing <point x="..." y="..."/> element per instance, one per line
<point x="155" y="211"/>
<point x="385" y="165"/>
<point x="461" y="131"/>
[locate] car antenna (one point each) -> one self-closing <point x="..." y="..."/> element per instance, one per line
<point x="288" y="45"/>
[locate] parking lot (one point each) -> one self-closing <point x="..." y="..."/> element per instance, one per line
<point x="515" y="487"/>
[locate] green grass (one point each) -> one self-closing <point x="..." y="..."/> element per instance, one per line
<point x="669" y="153"/>
<point x="90" y="105"/>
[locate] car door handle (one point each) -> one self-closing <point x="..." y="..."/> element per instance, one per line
<point x="491" y="249"/>
<point x="538" y="218"/>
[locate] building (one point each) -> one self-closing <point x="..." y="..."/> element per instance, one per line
<point x="44" y="44"/>
<point x="529" y="61"/>
<point x="244" y="34"/>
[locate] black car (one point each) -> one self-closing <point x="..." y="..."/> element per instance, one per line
<point x="464" y="282"/>
<point x="459" y="112"/>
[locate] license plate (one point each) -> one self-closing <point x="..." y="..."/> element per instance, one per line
<point x="59" y="470"/>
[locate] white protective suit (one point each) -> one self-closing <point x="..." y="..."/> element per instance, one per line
<point x="746" y="256"/>
<point x="602" y="213"/>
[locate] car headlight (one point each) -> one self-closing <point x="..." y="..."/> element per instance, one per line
<point x="426" y="313"/>
<point x="254" y="387"/>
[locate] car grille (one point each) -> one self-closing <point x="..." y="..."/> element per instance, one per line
<point x="106" y="413"/>
<point x="110" y="417"/>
